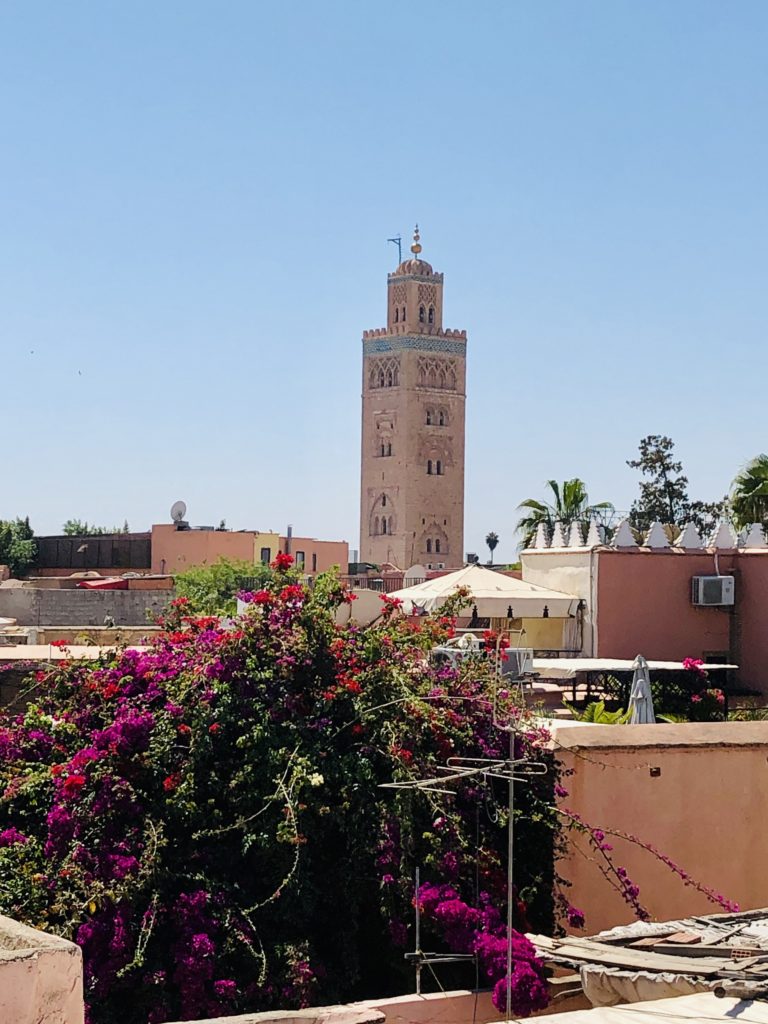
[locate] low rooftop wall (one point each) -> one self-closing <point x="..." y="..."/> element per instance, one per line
<point x="40" y="977"/>
<point x="33" y="606"/>
<point x="697" y="792"/>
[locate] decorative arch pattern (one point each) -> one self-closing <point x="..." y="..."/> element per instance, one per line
<point x="384" y="373"/>
<point x="436" y="373"/>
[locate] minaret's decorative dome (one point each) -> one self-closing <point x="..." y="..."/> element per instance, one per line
<point x="415" y="265"/>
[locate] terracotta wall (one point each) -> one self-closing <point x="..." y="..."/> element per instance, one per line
<point x="698" y="792"/>
<point x="644" y="605"/>
<point x="176" y="550"/>
<point x="319" y="555"/>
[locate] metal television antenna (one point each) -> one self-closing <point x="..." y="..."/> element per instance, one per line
<point x="509" y="769"/>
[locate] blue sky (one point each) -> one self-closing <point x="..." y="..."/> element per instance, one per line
<point x="194" y="205"/>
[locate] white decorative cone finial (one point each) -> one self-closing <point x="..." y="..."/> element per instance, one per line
<point x="624" y="537"/>
<point x="575" y="539"/>
<point x="689" y="538"/>
<point x="723" y="537"/>
<point x="558" y="540"/>
<point x="540" y="538"/>
<point x="593" y="535"/>
<point x="657" y="537"/>
<point x="755" y="537"/>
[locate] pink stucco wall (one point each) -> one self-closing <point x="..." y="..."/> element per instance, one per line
<point x="705" y="808"/>
<point x="176" y="550"/>
<point x="327" y="553"/>
<point x="644" y="606"/>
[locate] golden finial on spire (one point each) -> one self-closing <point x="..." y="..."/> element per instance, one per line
<point x="416" y="247"/>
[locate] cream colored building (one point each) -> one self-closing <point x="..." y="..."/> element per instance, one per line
<point x="412" y="460"/>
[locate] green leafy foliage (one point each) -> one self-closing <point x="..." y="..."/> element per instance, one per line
<point x="597" y="714"/>
<point x="212" y="589"/>
<point x="664" y="490"/>
<point x="82" y="528"/>
<point x="17" y="545"/>
<point x="749" y="493"/>
<point x="569" y="502"/>
<point x="207" y="818"/>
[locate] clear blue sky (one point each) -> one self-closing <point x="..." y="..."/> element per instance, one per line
<point x="194" y="203"/>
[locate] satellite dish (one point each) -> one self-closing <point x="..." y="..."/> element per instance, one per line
<point x="178" y="511"/>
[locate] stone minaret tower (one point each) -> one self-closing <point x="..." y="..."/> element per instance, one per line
<point x="412" y="480"/>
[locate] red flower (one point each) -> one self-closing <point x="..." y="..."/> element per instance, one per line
<point x="185" y="729"/>
<point x="73" y="784"/>
<point x="292" y="593"/>
<point x="214" y="728"/>
<point x="261" y="597"/>
<point x="357" y="729"/>
<point x="353" y="686"/>
<point x="60" y="643"/>
<point x="179" y="602"/>
<point x="282" y="562"/>
<point x="110" y="690"/>
<point x="56" y="770"/>
<point x="170" y="782"/>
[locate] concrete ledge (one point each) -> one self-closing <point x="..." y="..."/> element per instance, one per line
<point x="574" y="735"/>
<point x="41" y="977"/>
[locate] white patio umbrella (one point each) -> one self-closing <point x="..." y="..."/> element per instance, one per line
<point x="493" y="594"/>
<point x="640" y="699"/>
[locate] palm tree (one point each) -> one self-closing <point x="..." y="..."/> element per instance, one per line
<point x="749" y="493"/>
<point x="570" y="503"/>
<point x="492" y="540"/>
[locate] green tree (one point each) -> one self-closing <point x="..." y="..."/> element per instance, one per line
<point x="664" y="490"/>
<point x="492" y="540"/>
<point x="569" y="503"/>
<point x="663" y="486"/>
<point x="749" y="493"/>
<point x="17" y="545"/>
<point x="82" y="528"/>
<point x="212" y="589"/>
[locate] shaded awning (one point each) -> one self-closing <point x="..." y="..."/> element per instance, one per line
<point x="567" y="668"/>
<point x="492" y="592"/>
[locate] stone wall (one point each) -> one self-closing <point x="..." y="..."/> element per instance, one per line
<point x="31" y="606"/>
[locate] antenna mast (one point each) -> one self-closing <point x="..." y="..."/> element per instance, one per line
<point x="398" y="241"/>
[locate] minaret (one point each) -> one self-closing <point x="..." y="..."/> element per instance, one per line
<point x="412" y="478"/>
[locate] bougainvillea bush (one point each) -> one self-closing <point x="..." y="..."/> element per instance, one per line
<point x="206" y="818"/>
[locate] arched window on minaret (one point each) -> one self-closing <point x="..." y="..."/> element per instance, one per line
<point x="390" y="525"/>
<point x="383" y="501"/>
<point x="441" y="418"/>
<point x="403" y="316"/>
<point x="431" y="315"/>
<point x="389" y="447"/>
<point x="389" y="378"/>
<point x="429" y="417"/>
<point x="397" y="314"/>
<point x="439" y="469"/>
<point x="437" y="545"/>
<point x="376" y="525"/>
<point x="422" y="314"/>
<point x="429" y="467"/>
<point x="429" y="546"/>
<point x="381" y="378"/>
<point x="383" y="524"/>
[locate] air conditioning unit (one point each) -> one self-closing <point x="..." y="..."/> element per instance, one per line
<point x="518" y="662"/>
<point x="712" y="591"/>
